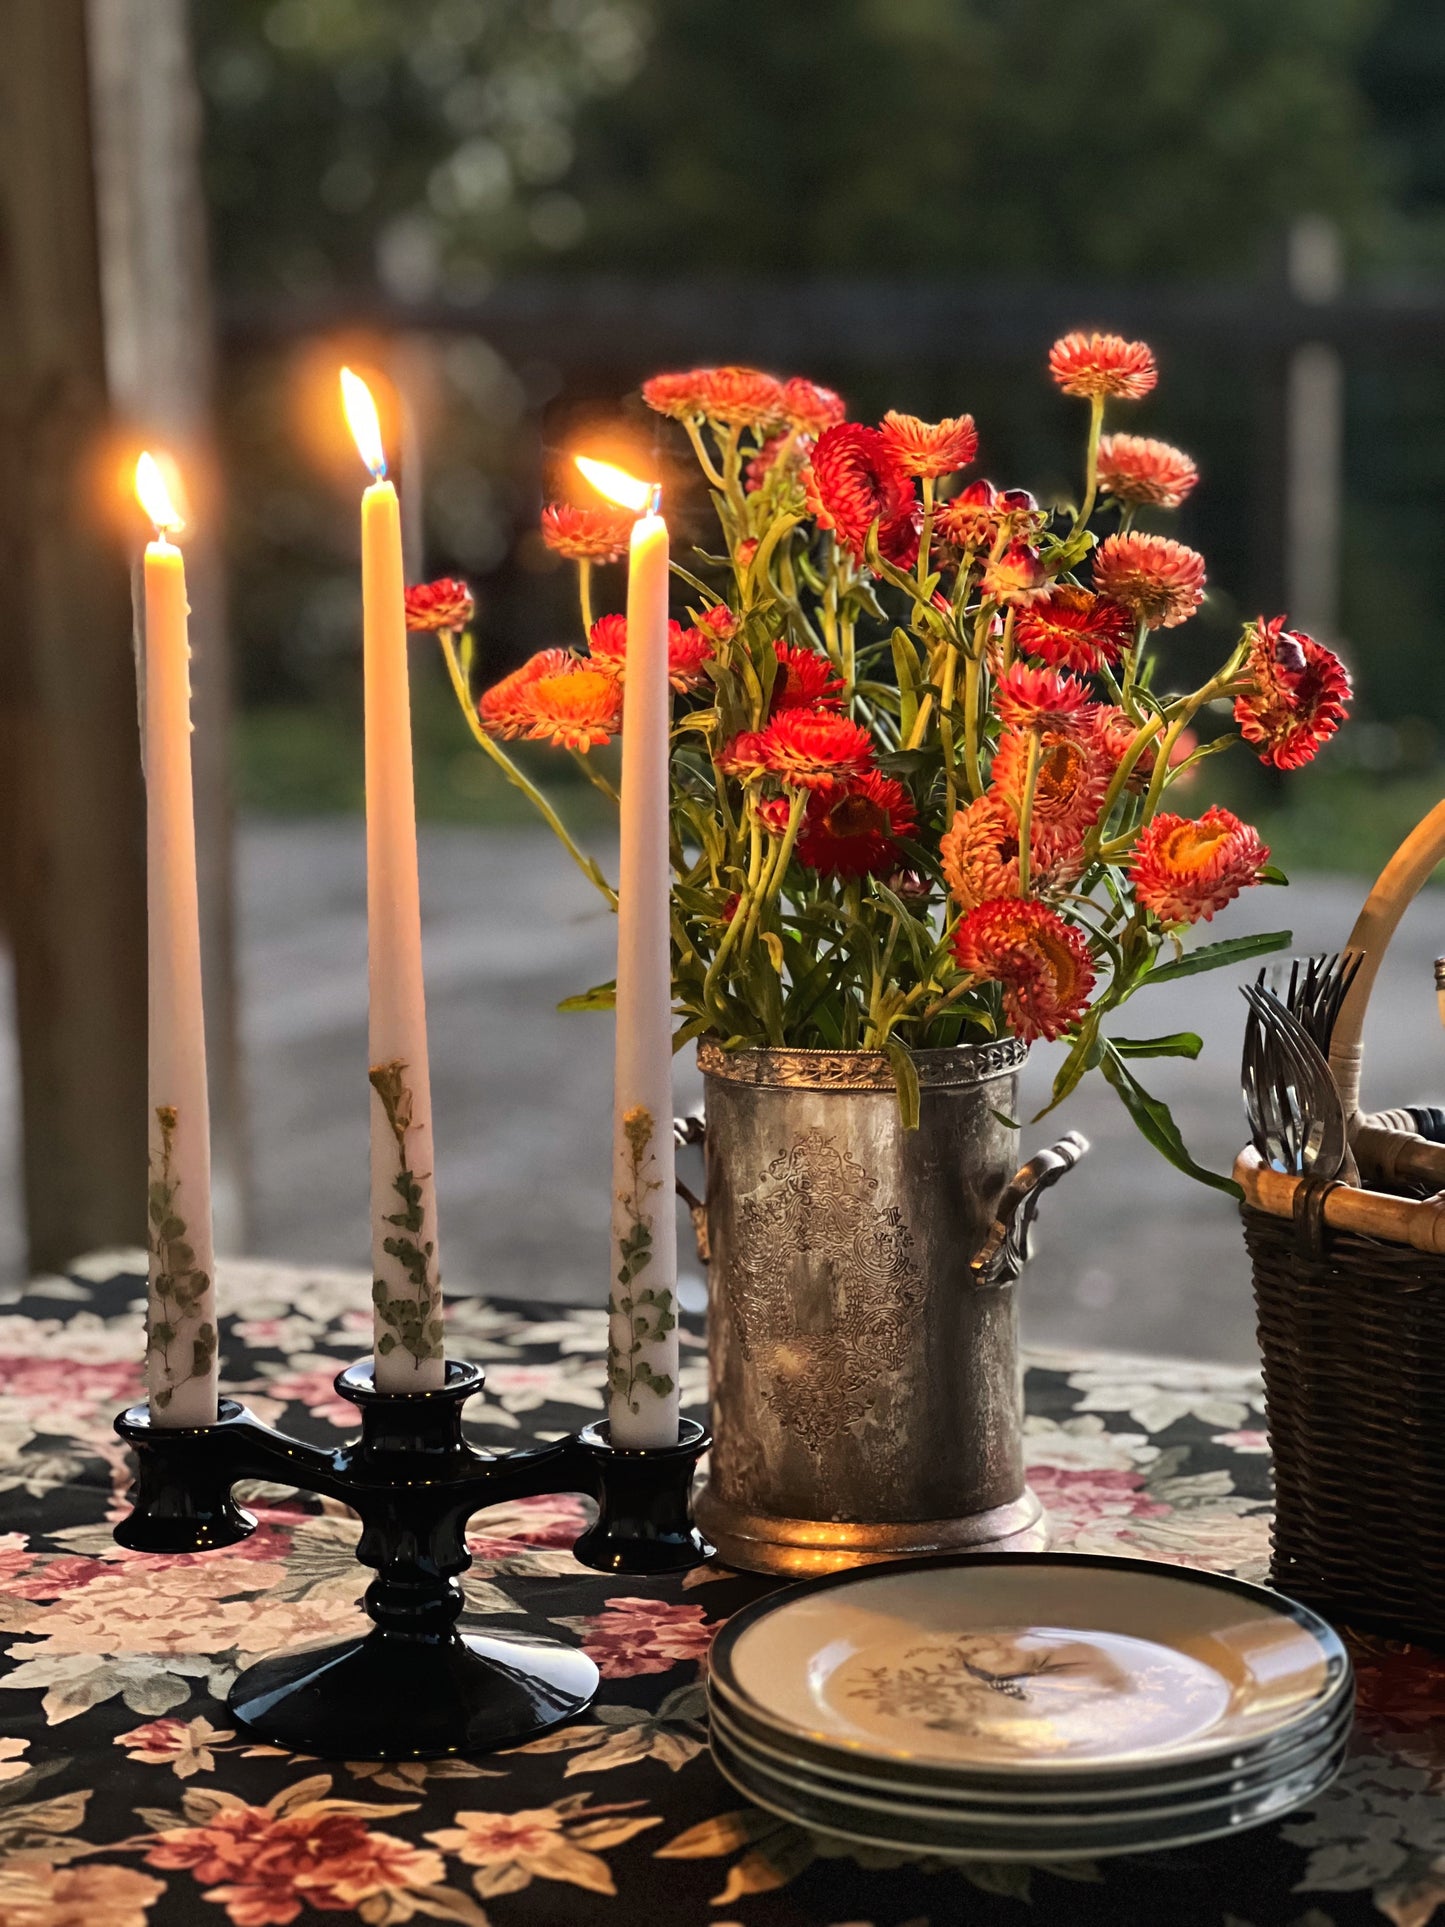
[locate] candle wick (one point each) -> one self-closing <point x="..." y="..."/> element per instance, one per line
<point x="378" y="469"/>
<point x="654" y="500"/>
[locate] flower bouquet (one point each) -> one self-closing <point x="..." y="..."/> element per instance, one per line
<point x="925" y="736"/>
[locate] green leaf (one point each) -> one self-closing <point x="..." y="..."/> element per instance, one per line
<point x="1212" y="956"/>
<point x="905" y="667"/>
<point x="1269" y="874"/>
<point x="1180" y="1043"/>
<point x="385" y="1344"/>
<point x="1009" y="1123"/>
<point x="600" y="997"/>
<point x="905" y="1072"/>
<point x="1156" y="1123"/>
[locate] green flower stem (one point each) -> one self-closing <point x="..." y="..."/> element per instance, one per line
<point x="514" y="776"/>
<point x="777" y="867"/>
<point x="1091" y="462"/>
<point x="1026" y="810"/>
<point x="972" y="673"/>
<point x="584" y="595"/>
<point x="594" y="775"/>
<point x="699" y="448"/>
<point x="945" y="730"/>
<point x="925" y="538"/>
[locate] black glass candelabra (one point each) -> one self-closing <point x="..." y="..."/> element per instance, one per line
<point x="415" y="1686"/>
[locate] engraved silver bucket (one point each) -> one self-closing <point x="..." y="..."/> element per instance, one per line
<point x="862" y="1329"/>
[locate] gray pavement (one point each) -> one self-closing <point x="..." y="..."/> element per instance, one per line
<point x="1132" y="1256"/>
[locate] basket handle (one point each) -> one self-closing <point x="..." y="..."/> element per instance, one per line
<point x="1400" y="882"/>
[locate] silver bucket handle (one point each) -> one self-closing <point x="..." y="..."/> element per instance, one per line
<point x="1005" y="1251"/>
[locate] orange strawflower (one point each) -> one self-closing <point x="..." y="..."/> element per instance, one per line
<point x="1097" y="365"/>
<point x="504" y="707"/>
<point x="1072" y="628"/>
<point x="1156" y="577"/>
<point x="587" y="535"/>
<point x="811" y="407"/>
<point x="813" y="748"/>
<point x="980" y="853"/>
<point x="1042" y="962"/>
<point x="1300" y="697"/>
<point x="557" y="698"/>
<point x="1026" y="697"/>
<point x="687" y="651"/>
<point x="1184" y="870"/>
<point x="736" y="397"/>
<point x="805" y="680"/>
<point x="1069" y="786"/>
<point x="444" y="604"/>
<point x="852" y="829"/>
<point x="930" y="448"/>
<point x="1151" y="474"/>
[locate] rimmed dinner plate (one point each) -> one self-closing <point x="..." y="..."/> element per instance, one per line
<point x="1009" y="1671"/>
<point x="950" y="1836"/>
<point x="771" y="1753"/>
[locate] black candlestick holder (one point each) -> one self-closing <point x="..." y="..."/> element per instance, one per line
<point x="414" y="1686"/>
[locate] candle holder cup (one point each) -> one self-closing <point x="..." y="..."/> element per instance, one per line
<point x="414" y="1686"/>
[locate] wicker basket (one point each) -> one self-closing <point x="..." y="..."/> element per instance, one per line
<point x="1350" y="1287"/>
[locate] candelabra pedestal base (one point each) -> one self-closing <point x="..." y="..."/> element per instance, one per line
<point x="382" y="1697"/>
<point x="414" y="1687"/>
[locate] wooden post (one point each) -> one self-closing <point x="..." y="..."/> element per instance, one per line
<point x="159" y="358"/>
<point x="72" y="882"/>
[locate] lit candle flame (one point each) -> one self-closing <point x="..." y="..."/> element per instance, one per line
<point x="362" y="420"/>
<point x="618" y="486"/>
<point x="155" y="497"/>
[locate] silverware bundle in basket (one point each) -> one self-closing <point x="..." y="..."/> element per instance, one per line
<point x="1344" y="1219"/>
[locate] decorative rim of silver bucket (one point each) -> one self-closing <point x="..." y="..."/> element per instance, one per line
<point x="958" y="1066"/>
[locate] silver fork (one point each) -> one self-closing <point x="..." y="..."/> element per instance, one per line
<point x="1296" y="1116"/>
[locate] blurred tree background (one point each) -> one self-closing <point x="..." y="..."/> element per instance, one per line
<point x="371" y="160"/>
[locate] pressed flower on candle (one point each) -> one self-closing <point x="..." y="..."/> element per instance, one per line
<point x="406" y="1282"/>
<point x="642" y="1307"/>
<point x="181" y="1364"/>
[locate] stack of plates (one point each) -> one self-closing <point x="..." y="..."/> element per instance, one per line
<point x="1028" y="1707"/>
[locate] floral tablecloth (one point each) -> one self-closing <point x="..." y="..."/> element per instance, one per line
<point x="128" y="1799"/>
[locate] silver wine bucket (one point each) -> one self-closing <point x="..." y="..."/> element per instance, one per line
<point x="862" y="1330"/>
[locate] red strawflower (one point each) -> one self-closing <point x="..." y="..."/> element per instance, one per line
<point x="813" y="748"/>
<point x="1300" y="697"/>
<point x="852" y="829"/>
<point x="687" y="651"/>
<point x="980" y="853"/>
<point x="858" y="481"/>
<point x="930" y="448"/>
<point x="744" y="755"/>
<point x="805" y="680"/>
<point x="811" y="407"/>
<point x="1097" y="365"/>
<point x="444" y="604"/>
<point x="1026" y="697"/>
<point x="1042" y="962"/>
<point x="587" y="535"/>
<point x="555" y="697"/>
<point x="1070" y="781"/>
<point x="719" y="621"/>
<point x="1185" y="870"/>
<point x="1018" y="575"/>
<point x="1072" y="628"/>
<point x="1151" y="474"/>
<point x="1159" y="579"/>
<point x="773" y="814"/>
